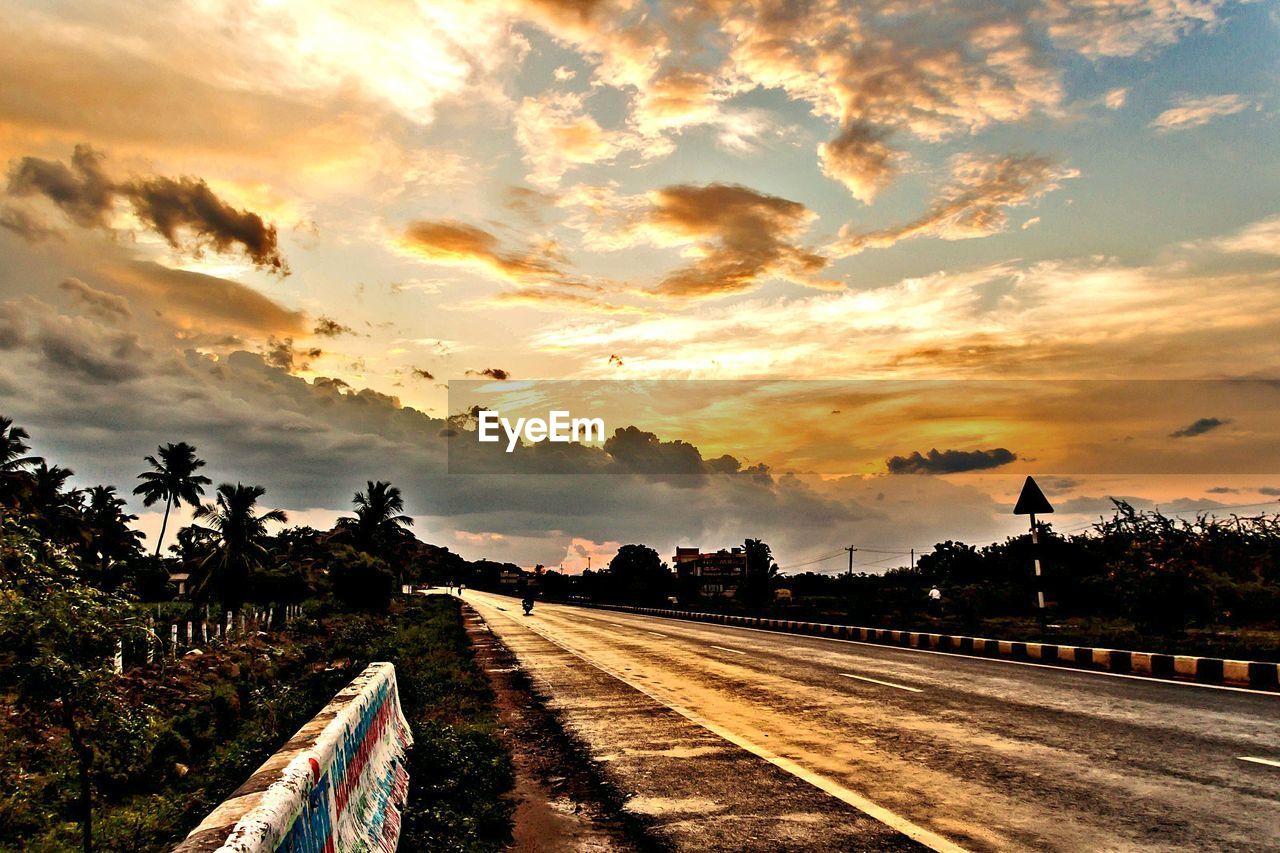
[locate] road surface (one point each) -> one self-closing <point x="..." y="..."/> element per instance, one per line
<point x="954" y="752"/>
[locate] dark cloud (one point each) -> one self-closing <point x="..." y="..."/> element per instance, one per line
<point x="1223" y="490"/>
<point x="331" y="328"/>
<point x="949" y="461"/>
<point x="1199" y="427"/>
<point x="105" y="305"/>
<point x="1270" y="491"/>
<point x="642" y="452"/>
<point x="422" y="373"/>
<point x="82" y="190"/>
<point x="74" y="346"/>
<point x="185" y="211"/>
<point x="171" y="205"/>
<point x="281" y="353"/>
<point x="492" y="372"/>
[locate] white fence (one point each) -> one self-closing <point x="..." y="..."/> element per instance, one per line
<point x="173" y="638"/>
<point x="338" y="785"/>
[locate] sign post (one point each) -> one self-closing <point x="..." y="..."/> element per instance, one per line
<point x="1030" y="502"/>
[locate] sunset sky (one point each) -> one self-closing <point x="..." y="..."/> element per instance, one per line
<point x="277" y="230"/>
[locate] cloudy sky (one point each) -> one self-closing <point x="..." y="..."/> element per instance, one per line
<point x="279" y="229"/>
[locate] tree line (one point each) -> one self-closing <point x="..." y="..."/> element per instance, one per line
<point x="228" y="552"/>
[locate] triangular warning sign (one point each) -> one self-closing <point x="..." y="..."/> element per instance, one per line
<point x="1032" y="501"/>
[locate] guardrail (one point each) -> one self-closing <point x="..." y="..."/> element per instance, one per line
<point x="337" y="785"/>
<point x="1204" y="670"/>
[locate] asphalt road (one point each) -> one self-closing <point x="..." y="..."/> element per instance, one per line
<point x="954" y="752"/>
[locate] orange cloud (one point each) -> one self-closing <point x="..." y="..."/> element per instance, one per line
<point x="860" y="159"/>
<point x="973" y="204"/>
<point x="741" y="236"/>
<point x="456" y="243"/>
<point x="198" y="302"/>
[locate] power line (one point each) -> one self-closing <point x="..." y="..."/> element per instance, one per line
<point x="811" y="562"/>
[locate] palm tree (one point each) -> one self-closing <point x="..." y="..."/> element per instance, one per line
<point x="379" y="518"/>
<point x="172" y="479"/>
<point x="13" y="443"/>
<point x="14" y="462"/>
<point x="56" y="510"/>
<point x="108" y="523"/>
<point x="239" y="532"/>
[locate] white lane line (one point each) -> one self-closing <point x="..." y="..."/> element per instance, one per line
<point x="885" y="683"/>
<point x="914" y="831"/>
<point x="656" y="634"/>
<point x="1267" y="761"/>
<point x="727" y="649"/>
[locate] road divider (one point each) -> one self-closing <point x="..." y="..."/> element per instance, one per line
<point x="1258" y="675"/>
<point x="337" y="785"/>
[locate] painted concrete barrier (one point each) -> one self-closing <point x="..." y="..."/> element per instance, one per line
<point x="1235" y="673"/>
<point x="338" y="784"/>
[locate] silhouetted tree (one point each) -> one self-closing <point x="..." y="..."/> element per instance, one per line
<point x="14" y="460"/>
<point x="110" y="536"/>
<point x="378" y="525"/>
<point x="639" y="575"/>
<point x="240" y="532"/>
<point x="173" y="479"/>
<point x="757" y="586"/>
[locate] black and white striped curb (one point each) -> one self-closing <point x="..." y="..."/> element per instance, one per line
<point x="1235" y="673"/>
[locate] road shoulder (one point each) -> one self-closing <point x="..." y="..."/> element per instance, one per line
<point x="562" y="801"/>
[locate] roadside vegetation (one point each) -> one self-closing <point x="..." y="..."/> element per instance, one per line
<point x="93" y="759"/>
<point x="1137" y="580"/>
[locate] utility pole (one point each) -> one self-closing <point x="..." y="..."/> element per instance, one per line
<point x="913" y="559"/>
<point x="851" y="549"/>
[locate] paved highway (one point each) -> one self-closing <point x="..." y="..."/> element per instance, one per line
<point x="840" y="745"/>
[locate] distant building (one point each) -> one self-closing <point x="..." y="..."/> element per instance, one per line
<point x="180" y="580"/>
<point x="712" y="573"/>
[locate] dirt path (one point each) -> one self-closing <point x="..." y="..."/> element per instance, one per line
<point x="563" y="804"/>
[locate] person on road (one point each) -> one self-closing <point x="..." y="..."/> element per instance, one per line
<point x="527" y="603"/>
